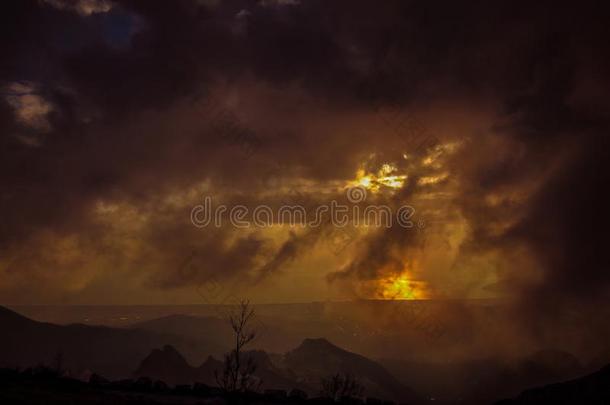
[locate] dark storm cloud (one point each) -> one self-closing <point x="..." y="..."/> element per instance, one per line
<point x="128" y="86"/>
<point x="384" y="249"/>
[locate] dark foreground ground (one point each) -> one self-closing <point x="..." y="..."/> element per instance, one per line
<point x="46" y="387"/>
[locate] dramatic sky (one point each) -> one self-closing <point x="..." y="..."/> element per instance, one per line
<point x="490" y="119"/>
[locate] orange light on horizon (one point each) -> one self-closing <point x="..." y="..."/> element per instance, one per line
<point x="401" y="287"/>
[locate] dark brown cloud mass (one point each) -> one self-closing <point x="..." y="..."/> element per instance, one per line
<point x="117" y="117"/>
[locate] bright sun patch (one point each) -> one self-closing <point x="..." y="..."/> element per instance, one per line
<point x="386" y="176"/>
<point x="400" y="287"/>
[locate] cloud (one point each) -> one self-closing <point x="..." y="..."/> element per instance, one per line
<point x="31" y="109"/>
<point x="82" y="7"/>
<point x="272" y="3"/>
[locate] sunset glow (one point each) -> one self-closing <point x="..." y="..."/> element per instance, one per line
<point x="400" y="287"/>
<point x="386" y="177"/>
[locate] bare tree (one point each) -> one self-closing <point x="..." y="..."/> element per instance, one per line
<point x="341" y="385"/>
<point x="238" y="371"/>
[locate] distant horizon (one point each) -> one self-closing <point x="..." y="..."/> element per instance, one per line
<point x="272" y="303"/>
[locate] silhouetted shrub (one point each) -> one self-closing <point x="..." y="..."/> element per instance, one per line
<point x="160" y="386"/>
<point x="297" y="394"/>
<point x="347" y="400"/>
<point x="97" y="379"/>
<point x="201" y="389"/>
<point x="374" y="401"/>
<point x="321" y="400"/>
<point x="377" y="401"/>
<point x="340" y="386"/>
<point x="143" y="384"/>
<point x="276" y="394"/>
<point x="183" y="389"/>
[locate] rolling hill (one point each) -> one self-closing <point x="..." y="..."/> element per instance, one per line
<point x="112" y="352"/>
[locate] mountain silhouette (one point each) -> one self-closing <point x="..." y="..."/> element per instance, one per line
<point x="111" y="352"/>
<point x="302" y="368"/>
<point x="314" y="359"/>
<point x="211" y="333"/>
<point x="592" y="389"/>
<point x="537" y="369"/>
<point x="206" y="372"/>
<point x="170" y="366"/>
<point x="214" y="333"/>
